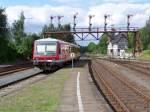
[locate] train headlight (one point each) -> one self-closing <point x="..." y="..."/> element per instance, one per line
<point x="49" y="60"/>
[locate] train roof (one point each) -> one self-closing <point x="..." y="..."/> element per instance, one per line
<point x="54" y="40"/>
<point x="47" y="39"/>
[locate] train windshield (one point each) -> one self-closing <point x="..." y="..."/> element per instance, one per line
<point x="48" y="49"/>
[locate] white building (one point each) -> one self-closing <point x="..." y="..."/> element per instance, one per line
<point x="117" y="45"/>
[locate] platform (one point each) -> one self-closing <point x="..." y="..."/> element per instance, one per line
<point x="81" y="95"/>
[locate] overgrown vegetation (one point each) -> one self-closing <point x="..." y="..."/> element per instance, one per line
<point x="145" y="55"/>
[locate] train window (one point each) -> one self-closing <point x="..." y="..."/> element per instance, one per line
<point x="46" y="49"/>
<point x="40" y="48"/>
<point x="51" y="47"/>
<point x="70" y="49"/>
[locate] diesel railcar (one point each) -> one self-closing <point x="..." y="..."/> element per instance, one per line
<point x="49" y="53"/>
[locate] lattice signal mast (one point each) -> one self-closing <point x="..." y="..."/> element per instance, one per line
<point x="59" y="18"/>
<point x="96" y="32"/>
<point x="106" y="16"/>
<point x="128" y="21"/>
<point x="90" y="22"/>
<point x="52" y="17"/>
<point x="74" y="21"/>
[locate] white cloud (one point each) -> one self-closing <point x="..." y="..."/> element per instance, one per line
<point x="118" y="13"/>
<point x="125" y="1"/>
<point x="116" y="1"/>
<point x="40" y="14"/>
<point x="65" y="1"/>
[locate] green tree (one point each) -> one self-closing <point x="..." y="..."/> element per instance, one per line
<point x="130" y="40"/>
<point x="92" y="47"/>
<point x="22" y="42"/>
<point x="18" y="29"/>
<point x="3" y="24"/>
<point x="145" y="35"/>
<point x="4" y="49"/>
<point x="18" y="36"/>
<point x="68" y="37"/>
<point x="64" y="37"/>
<point x="102" y="45"/>
<point x="26" y="46"/>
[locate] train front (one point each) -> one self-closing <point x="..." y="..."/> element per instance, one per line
<point x="45" y="54"/>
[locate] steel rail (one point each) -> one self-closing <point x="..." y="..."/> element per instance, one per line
<point x="130" y="88"/>
<point x="132" y="65"/>
<point x="128" y="84"/>
<point x="4" y="72"/>
<point x="135" y="67"/>
<point x="135" y="63"/>
<point x="11" y="79"/>
<point x="115" y="74"/>
<point x="116" y="99"/>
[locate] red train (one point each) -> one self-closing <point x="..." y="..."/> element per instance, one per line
<point x="50" y="53"/>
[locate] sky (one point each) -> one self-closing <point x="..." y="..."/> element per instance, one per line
<point x="38" y="12"/>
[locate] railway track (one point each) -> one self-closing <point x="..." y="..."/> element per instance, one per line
<point x="13" y="69"/>
<point x="122" y="95"/>
<point x="16" y="86"/>
<point x="6" y="78"/>
<point x="141" y="67"/>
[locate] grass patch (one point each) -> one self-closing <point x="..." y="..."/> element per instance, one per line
<point x="145" y="55"/>
<point x="129" y="50"/>
<point x="43" y="96"/>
